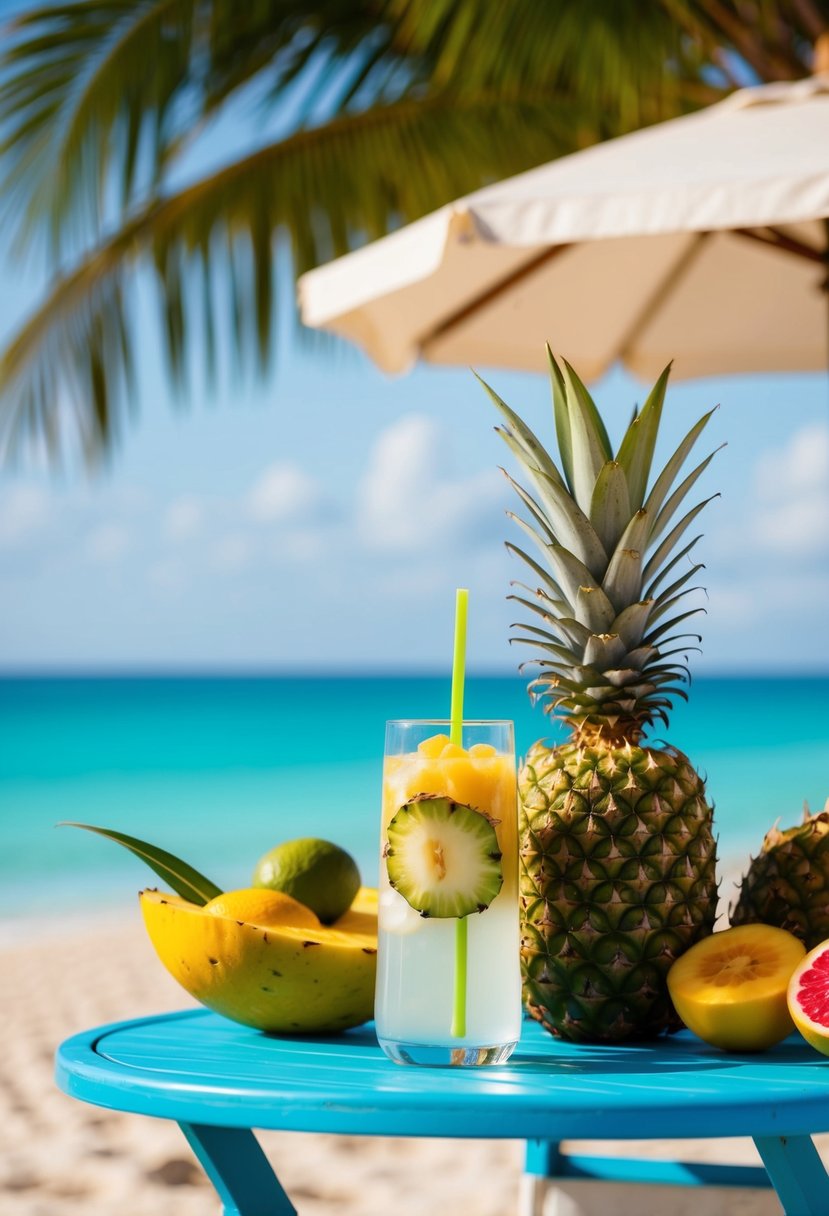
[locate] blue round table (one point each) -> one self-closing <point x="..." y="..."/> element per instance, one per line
<point x="219" y="1081"/>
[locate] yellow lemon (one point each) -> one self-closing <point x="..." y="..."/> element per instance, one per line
<point x="730" y="988"/>
<point x="259" y="907"/>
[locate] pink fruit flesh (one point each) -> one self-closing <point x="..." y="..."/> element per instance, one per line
<point x="813" y="991"/>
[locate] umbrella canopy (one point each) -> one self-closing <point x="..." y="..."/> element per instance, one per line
<point x="702" y="240"/>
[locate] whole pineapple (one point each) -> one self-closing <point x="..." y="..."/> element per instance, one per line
<point x="617" y="864"/>
<point x="787" y="884"/>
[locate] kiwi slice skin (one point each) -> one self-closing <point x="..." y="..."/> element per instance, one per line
<point x="443" y="857"/>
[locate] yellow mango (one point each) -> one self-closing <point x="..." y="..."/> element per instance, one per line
<point x="287" y="978"/>
<point x="452" y="751"/>
<point x="432" y="747"/>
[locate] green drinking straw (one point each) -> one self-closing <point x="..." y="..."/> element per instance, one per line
<point x="456" y="736"/>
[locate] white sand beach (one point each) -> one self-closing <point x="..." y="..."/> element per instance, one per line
<point x="60" y="1157"/>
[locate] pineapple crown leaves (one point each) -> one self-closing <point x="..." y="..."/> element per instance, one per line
<point x="609" y="598"/>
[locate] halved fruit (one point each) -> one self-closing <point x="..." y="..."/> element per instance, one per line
<point x="730" y="988"/>
<point x="259" y="907"/>
<point x="287" y="978"/>
<point x="443" y="857"/>
<point x="808" y="998"/>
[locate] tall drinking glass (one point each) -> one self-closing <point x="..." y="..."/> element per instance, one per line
<point x="449" y="995"/>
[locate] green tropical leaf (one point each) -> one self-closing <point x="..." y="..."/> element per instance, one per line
<point x="533" y="508"/>
<point x="576" y="631"/>
<point x="603" y="650"/>
<point x="655" y="634"/>
<point x="669" y="604"/>
<point x="590" y="443"/>
<point x="561" y="416"/>
<point x="665" y="480"/>
<point x="545" y="646"/>
<point x="610" y="509"/>
<point x="623" y="580"/>
<point x="398" y="106"/>
<point x="678" y="584"/>
<point x="592" y="606"/>
<point x="185" y="881"/>
<point x="669" y="566"/>
<point x="678" y="497"/>
<point x="544" y="575"/>
<point x="594" y="609"/>
<point x="668" y="544"/>
<point x="540" y="605"/>
<point x="543" y="547"/>
<point x="571" y="526"/>
<point x="76" y="347"/>
<point x="637" y="447"/>
<point x="519" y="436"/>
<point x="630" y="624"/>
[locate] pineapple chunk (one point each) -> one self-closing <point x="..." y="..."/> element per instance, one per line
<point x="480" y="750"/>
<point x="432" y="748"/>
<point x="453" y="752"/>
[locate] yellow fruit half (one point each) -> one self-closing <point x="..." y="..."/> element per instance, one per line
<point x="291" y="979"/>
<point x="808" y="998"/>
<point x="259" y="907"/>
<point x="730" y="988"/>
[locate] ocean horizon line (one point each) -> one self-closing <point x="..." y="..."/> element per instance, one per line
<point x="321" y="673"/>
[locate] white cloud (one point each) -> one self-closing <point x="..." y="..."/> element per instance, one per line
<point x="284" y="491"/>
<point x="792" y="491"/>
<point x="24" y="509"/>
<point x="107" y="543"/>
<point x="801" y="467"/>
<point x="407" y="502"/>
<point x="183" y="518"/>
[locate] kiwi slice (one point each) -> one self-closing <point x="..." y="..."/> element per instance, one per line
<point x="443" y="857"/>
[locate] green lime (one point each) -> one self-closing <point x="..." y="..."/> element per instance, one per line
<point x="318" y="873"/>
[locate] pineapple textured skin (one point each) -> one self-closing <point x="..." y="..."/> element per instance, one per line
<point x="617" y="854"/>
<point x="787" y="884"/>
<point x="617" y="879"/>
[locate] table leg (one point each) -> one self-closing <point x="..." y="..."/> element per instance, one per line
<point x="239" y="1170"/>
<point x="797" y="1174"/>
<point x="542" y="1162"/>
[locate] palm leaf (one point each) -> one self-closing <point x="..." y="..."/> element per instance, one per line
<point x="425" y="100"/>
<point x="340" y="172"/>
<point x="185" y="881"/>
<point x="79" y="105"/>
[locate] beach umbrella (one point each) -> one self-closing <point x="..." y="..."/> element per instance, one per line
<point x="702" y="239"/>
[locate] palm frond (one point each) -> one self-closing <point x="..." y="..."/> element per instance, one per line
<point x="97" y="96"/>
<point x="396" y="106"/>
<point x="85" y="88"/>
<point x="326" y="189"/>
<point x="612" y="57"/>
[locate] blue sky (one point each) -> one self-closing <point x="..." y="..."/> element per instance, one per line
<point x="323" y="518"/>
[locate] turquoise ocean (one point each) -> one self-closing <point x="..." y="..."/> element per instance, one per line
<point x="218" y="770"/>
